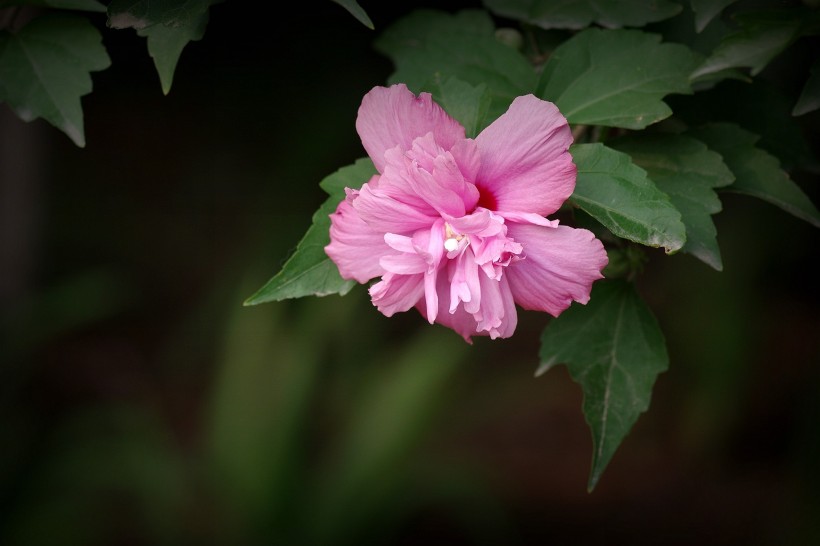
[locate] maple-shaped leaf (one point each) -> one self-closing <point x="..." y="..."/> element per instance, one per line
<point x="44" y="70"/>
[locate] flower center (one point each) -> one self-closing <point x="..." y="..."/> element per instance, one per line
<point x="451" y="238"/>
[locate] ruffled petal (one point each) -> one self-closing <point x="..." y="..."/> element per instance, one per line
<point x="394" y="116"/>
<point x="354" y="246"/>
<point x="498" y="317"/>
<point x="461" y="321"/>
<point x="560" y="266"/>
<point x="525" y="165"/>
<point x="397" y="293"/>
<point x="428" y="178"/>
<point x="386" y="214"/>
<point x="497" y="320"/>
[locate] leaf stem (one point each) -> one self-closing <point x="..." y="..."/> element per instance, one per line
<point x="578" y="131"/>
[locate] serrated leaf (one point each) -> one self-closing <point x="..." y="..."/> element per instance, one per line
<point x="309" y="271"/>
<point x="356" y="11"/>
<point x="687" y="171"/>
<point x="756" y="172"/>
<point x="617" y="193"/>
<point x="79" y="5"/>
<point x="706" y="10"/>
<point x="465" y="103"/>
<point x="614" y="348"/>
<point x="165" y="45"/>
<point x="809" y="99"/>
<point x="578" y="14"/>
<point x="44" y="70"/>
<point x="428" y="45"/>
<point x="615" y="77"/>
<point x="140" y="14"/>
<point x="760" y="38"/>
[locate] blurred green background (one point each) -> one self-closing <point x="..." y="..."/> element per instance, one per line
<point x="142" y="404"/>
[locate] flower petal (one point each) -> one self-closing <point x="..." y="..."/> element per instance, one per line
<point x="461" y="321"/>
<point x="464" y="323"/>
<point x="394" y="116"/>
<point x="498" y="315"/>
<point x="525" y="165"/>
<point x="397" y="293"/>
<point x="561" y="264"/>
<point x="385" y="214"/>
<point x="354" y="247"/>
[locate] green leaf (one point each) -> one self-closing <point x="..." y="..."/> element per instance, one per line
<point x="44" y="70"/>
<point x="578" y="14"/>
<point x="165" y="45"/>
<point x="465" y="103"/>
<point x="309" y="271"/>
<point x="167" y="24"/>
<point x="760" y="38"/>
<point x="79" y="5"/>
<point x="760" y="107"/>
<point x="140" y="14"/>
<point x="706" y="10"/>
<point x="353" y="176"/>
<point x="356" y="11"/>
<point x="687" y="171"/>
<point x="756" y="172"/>
<point x="614" y="348"/>
<point x="617" y="193"/>
<point x="809" y="99"/>
<point x="428" y="46"/>
<point x="615" y="77"/>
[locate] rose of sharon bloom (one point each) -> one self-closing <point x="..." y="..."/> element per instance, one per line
<point x="456" y="227"/>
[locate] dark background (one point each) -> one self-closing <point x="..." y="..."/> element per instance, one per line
<point x="142" y="404"/>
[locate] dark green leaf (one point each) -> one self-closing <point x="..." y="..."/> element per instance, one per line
<point x="352" y="176"/>
<point x="44" y="70"/>
<point x="140" y="14"/>
<point x="615" y="77"/>
<point x="760" y="107"/>
<point x="708" y="81"/>
<point x="809" y="99"/>
<point x="687" y="171"/>
<point x="614" y="348"/>
<point x="617" y="193"/>
<point x="356" y="11"/>
<point x="760" y="38"/>
<point x="309" y="272"/>
<point x="428" y="46"/>
<point x="756" y="172"/>
<point x="165" y="45"/>
<point x="467" y="104"/>
<point x="80" y="5"/>
<point x="577" y="14"/>
<point x="706" y="10"/>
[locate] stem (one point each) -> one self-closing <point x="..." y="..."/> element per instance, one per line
<point x="578" y="131"/>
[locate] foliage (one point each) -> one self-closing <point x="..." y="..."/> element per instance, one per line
<point x="624" y="75"/>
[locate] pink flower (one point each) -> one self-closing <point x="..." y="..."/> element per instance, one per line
<point x="456" y="227"/>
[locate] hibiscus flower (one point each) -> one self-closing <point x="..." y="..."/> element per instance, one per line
<point x="457" y="227"/>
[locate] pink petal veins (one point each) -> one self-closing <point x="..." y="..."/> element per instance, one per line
<point x="354" y="246"/>
<point x="393" y="116"/>
<point x="397" y="293"/>
<point x="525" y="165"/>
<point x="560" y="266"/>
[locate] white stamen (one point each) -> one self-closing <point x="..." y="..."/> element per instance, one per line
<point x="451" y="244"/>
